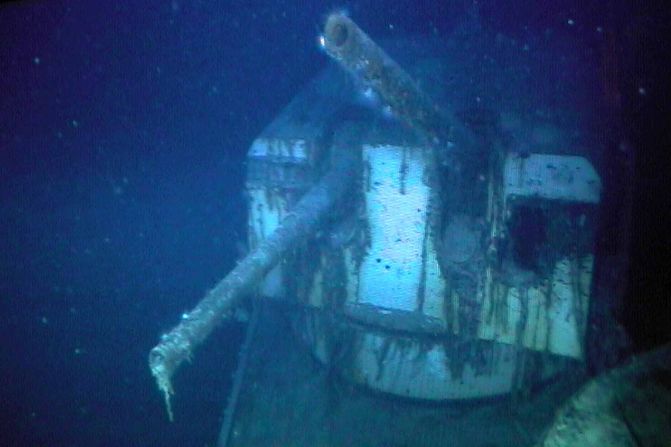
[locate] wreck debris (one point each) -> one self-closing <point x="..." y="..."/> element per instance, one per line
<point x="616" y="408"/>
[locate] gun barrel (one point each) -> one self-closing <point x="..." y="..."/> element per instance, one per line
<point x="357" y="53"/>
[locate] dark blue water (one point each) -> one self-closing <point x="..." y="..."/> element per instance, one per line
<point x="123" y="130"/>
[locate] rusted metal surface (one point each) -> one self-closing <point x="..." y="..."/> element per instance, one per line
<point x="351" y="47"/>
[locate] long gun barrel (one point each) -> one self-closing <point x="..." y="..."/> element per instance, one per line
<point x="177" y="345"/>
<point x="348" y="45"/>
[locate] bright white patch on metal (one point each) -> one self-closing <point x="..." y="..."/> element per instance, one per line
<point x="279" y="147"/>
<point x="396" y="206"/>
<point x="264" y="218"/>
<point x="552" y="319"/>
<point x="565" y="333"/>
<point x="555" y="177"/>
